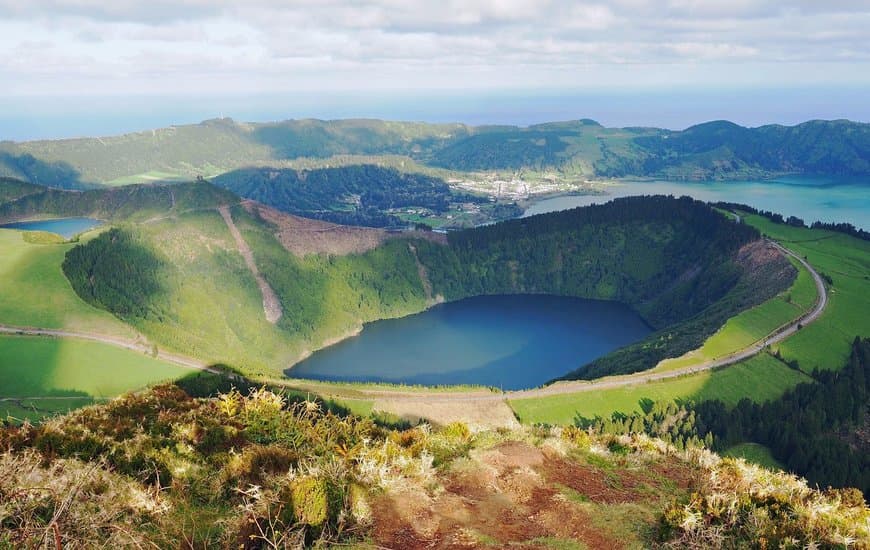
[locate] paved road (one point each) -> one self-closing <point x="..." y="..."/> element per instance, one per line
<point x="558" y="388"/>
<point x="578" y="386"/>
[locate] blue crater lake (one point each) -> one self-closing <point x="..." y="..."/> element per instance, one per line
<point x="826" y="199"/>
<point x="65" y="227"/>
<point x="511" y="342"/>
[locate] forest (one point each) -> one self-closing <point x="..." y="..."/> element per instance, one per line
<point x="352" y="195"/>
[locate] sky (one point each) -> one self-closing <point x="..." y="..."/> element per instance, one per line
<point x="94" y="64"/>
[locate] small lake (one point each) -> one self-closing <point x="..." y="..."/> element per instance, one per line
<point x="809" y="198"/>
<point x="512" y="342"/>
<point x="65" y="227"/>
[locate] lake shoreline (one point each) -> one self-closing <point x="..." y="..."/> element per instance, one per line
<point x="487" y="340"/>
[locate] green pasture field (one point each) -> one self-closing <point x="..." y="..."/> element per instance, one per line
<point x="761" y="378"/>
<point x="35" y="292"/>
<point x="753" y="324"/>
<point x="35" y="366"/>
<point x="826" y="342"/>
<point x="756" y="454"/>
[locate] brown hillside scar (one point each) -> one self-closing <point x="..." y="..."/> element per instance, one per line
<point x="271" y="303"/>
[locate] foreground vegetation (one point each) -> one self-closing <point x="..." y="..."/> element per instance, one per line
<point x="164" y="468"/>
<point x="814" y="429"/>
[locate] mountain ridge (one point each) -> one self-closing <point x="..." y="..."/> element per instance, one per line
<point x="709" y="150"/>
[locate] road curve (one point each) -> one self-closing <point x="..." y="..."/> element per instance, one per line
<point x="559" y="388"/>
<point x="579" y="386"/>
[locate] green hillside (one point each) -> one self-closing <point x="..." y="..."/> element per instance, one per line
<point x="714" y="150"/>
<point x="135" y="203"/>
<point x="184" y="283"/>
<point x="353" y="195"/>
<point x="186" y="286"/>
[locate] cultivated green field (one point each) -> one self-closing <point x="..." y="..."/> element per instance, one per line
<point x="756" y="454"/>
<point x="32" y="366"/>
<point x="825" y="343"/>
<point x="35" y="292"/>
<point x="760" y="378"/>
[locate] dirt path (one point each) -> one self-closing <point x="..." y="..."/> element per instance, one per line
<point x="271" y="303"/>
<point x="132" y="345"/>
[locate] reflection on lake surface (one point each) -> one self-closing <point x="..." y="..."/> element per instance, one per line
<point x="812" y="199"/>
<point x="65" y="227"/>
<point x="511" y="342"/>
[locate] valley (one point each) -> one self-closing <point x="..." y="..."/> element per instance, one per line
<point x="189" y="290"/>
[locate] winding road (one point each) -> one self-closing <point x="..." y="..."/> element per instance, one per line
<point x="483" y="395"/>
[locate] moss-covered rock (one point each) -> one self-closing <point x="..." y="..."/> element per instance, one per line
<point x="316" y="502"/>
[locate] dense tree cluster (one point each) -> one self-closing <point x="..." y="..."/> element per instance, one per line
<point x="357" y="195"/>
<point x="800" y="428"/>
<point x="116" y="272"/>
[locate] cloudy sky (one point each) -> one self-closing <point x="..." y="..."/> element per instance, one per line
<point x="157" y="48"/>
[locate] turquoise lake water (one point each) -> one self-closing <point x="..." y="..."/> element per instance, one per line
<point x="812" y="199"/>
<point x="511" y="342"/>
<point x="65" y="227"/>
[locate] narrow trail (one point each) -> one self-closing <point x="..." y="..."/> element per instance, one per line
<point x="133" y="345"/>
<point x="271" y="303"/>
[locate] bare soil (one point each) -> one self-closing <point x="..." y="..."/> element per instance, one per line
<point x="476" y="414"/>
<point x="510" y="495"/>
<point x="302" y="236"/>
<point x="271" y="303"/>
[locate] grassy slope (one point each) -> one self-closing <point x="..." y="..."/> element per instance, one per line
<point x="753" y="324"/>
<point x="761" y="378"/>
<point x="36" y="293"/>
<point x="210" y="306"/>
<point x="36" y="366"/>
<point x="216" y="307"/>
<point x="824" y="344"/>
<point x="756" y="454"/>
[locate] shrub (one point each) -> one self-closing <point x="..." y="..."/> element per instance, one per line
<point x="255" y="463"/>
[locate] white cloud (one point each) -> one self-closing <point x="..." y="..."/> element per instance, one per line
<point x="125" y="45"/>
